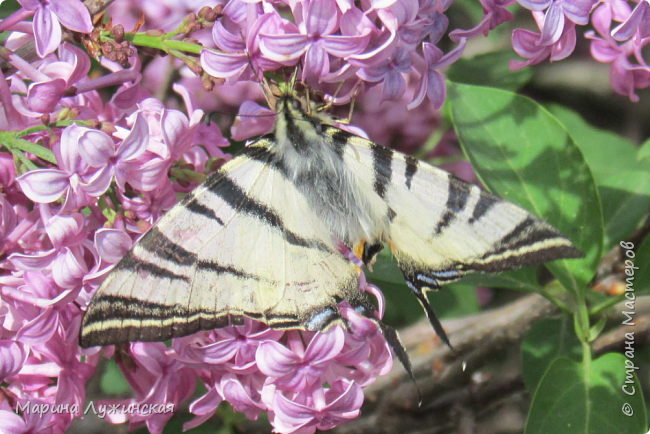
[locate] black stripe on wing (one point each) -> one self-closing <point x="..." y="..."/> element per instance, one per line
<point x="457" y="197"/>
<point x="382" y="160"/>
<point x="240" y="201"/>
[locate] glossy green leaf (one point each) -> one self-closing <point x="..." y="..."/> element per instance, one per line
<point x="523" y="279"/>
<point x="607" y="153"/>
<point x="544" y="342"/>
<point x="490" y="69"/>
<point x="522" y="153"/>
<point x="625" y="198"/>
<point x="644" y="151"/>
<point x="574" y="399"/>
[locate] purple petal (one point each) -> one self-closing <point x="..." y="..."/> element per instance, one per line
<point x="136" y="142"/>
<point x="578" y="10"/>
<point x="283" y="48"/>
<point x="44" y="185"/>
<point x="453" y="55"/>
<point x="218" y="353"/>
<point x="317" y="63"/>
<point x="603" y="51"/>
<point x="236" y="394"/>
<point x="47" y="31"/>
<point x="112" y="244"/>
<point x="325" y="346"/>
<point x="355" y="22"/>
<point x="229" y="42"/>
<point x="77" y="57"/>
<point x="253" y="120"/>
<point x="394" y="86"/>
<point x="289" y="414"/>
<point x="565" y="46"/>
<point x="436" y="89"/>
<point x="524" y="43"/>
<point x="321" y="17"/>
<point x="72" y="14"/>
<point x="65" y="229"/>
<point x="68" y="270"/>
<point x="95" y="147"/>
<point x="345" y="46"/>
<point x="12" y="358"/>
<point x="223" y="65"/>
<point x="175" y="127"/>
<point x="43" y="97"/>
<point x="144" y="177"/>
<point x="553" y="25"/>
<point x="13" y="423"/>
<point x="535" y="5"/>
<point x="274" y="359"/>
<point x="36" y="262"/>
<point x="639" y="19"/>
<point x="95" y="184"/>
<point x="404" y="11"/>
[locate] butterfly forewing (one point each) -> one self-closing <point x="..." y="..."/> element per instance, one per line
<point x="242" y="244"/>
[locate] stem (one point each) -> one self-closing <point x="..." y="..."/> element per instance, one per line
<point x="161" y="43"/>
<point x="57" y="124"/>
<point x="606" y="304"/>
<point x="582" y="321"/>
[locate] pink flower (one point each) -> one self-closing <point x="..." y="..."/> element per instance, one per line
<point x="75" y="178"/>
<point x="48" y="17"/>
<point x="316" y="40"/>
<point x="527" y="44"/>
<point x="298" y="369"/>
<point x="337" y="405"/>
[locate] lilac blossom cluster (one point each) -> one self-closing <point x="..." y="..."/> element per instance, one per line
<point x="70" y="211"/>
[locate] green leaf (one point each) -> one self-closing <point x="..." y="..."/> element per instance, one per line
<point x="113" y="381"/>
<point x="521" y="152"/>
<point x="9" y="140"/>
<point x="596" y="329"/>
<point x="544" y="342"/>
<point x="607" y="153"/>
<point x="642" y="275"/>
<point x="644" y="151"/>
<point x="625" y="198"/>
<point x="490" y="69"/>
<point x="455" y="300"/>
<point x="574" y="399"/>
<point x="523" y="279"/>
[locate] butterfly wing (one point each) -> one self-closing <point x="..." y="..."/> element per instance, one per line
<point x="243" y="244"/>
<point x="444" y="227"/>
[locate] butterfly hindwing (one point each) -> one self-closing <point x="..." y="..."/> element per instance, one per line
<point x="244" y="243"/>
<point x="443" y="227"/>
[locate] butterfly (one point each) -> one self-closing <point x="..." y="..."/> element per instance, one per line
<point x="261" y="238"/>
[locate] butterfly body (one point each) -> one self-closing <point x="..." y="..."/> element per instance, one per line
<point x="259" y="238"/>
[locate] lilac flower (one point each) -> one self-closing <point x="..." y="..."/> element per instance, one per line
<point x="315" y="41"/>
<point x="432" y="82"/>
<point x="638" y="23"/>
<point x="495" y="14"/>
<point x="238" y="56"/>
<point x="527" y="45"/>
<point x="75" y="178"/>
<point x="339" y="404"/>
<point x="48" y="17"/>
<point x="625" y="76"/>
<point x="297" y="369"/>
<point x="575" y="10"/>
<point x="12" y="358"/>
